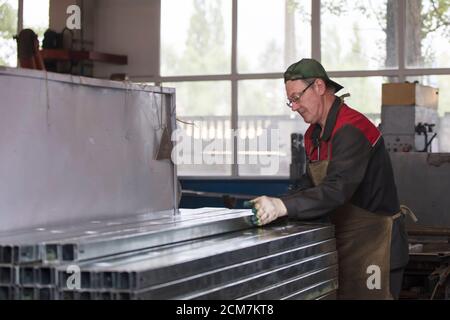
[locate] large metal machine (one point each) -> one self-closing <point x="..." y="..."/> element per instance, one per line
<point x="409" y="116"/>
<point x="409" y="124"/>
<point x="89" y="206"/>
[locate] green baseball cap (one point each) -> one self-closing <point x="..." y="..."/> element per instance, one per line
<point x="307" y="69"/>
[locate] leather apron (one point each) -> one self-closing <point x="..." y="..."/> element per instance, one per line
<point x="363" y="241"/>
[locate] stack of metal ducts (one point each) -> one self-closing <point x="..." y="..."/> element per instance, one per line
<point x="207" y="253"/>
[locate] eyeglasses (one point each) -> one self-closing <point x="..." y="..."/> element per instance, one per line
<point x="297" y="96"/>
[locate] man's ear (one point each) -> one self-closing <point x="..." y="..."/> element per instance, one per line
<point x="321" y="86"/>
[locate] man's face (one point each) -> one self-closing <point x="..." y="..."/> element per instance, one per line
<point x="306" y="103"/>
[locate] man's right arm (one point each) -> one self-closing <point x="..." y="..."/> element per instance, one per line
<point x="351" y="152"/>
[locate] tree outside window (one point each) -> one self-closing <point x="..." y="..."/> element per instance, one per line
<point x="8" y="29"/>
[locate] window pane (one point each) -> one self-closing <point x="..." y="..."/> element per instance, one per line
<point x="195" y="37"/>
<point x="443" y="84"/>
<point x="204" y="109"/>
<point x="262" y="97"/>
<point x="427" y="34"/>
<point x="8" y="29"/>
<point x="202" y="98"/>
<point x="365" y="95"/>
<point x="358" y="35"/>
<point x="36" y="16"/>
<point x="272" y="34"/>
<point x="265" y="127"/>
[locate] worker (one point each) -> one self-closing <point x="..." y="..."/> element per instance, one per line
<point x="349" y="180"/>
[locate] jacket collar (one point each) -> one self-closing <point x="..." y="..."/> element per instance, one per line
<point x="329" y="124"/>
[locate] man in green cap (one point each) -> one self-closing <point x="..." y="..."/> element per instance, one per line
<point x="349" y="181"/>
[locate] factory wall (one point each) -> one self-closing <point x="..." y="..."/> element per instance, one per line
<point x="119" y="27"/>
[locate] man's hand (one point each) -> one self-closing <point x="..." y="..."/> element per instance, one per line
<point x="268" y="209"/>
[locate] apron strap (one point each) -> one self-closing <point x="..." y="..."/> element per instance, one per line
<point x="345" y="95"/>
<point x="311" y="151"/>
<point x="329" y="151"/>
<point x="404" y="210"/>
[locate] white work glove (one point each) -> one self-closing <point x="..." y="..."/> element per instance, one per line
<point x="268" y="209"/>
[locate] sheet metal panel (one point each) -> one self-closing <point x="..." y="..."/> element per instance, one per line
<point x="75" y="148"/>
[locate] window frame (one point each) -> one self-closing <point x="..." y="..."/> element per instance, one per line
<point x="401" y="72"/>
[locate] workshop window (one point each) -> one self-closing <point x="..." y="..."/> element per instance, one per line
<point x="36" y="16"/>
<point x="365" y="94"/>
<point x="359" y="43"/>
<point x="196" y="37"/>
<point x="263" y="117"/>
<point x="427" y="34"/>
<point x="355" y="35"/>
<point x="272" y="34"/>
<point x="203" y="112"/>
<point x="8" y="29"/>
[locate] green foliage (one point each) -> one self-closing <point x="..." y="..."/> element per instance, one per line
<point x="335" y="7"/>
<point x="8" y="20"/>
<point x="437" y="17"/>
<point x="205" y="46"/>
<point x="205" y="53"/>
<point x="434" y="17"/>
<point x="8" y="29"/>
